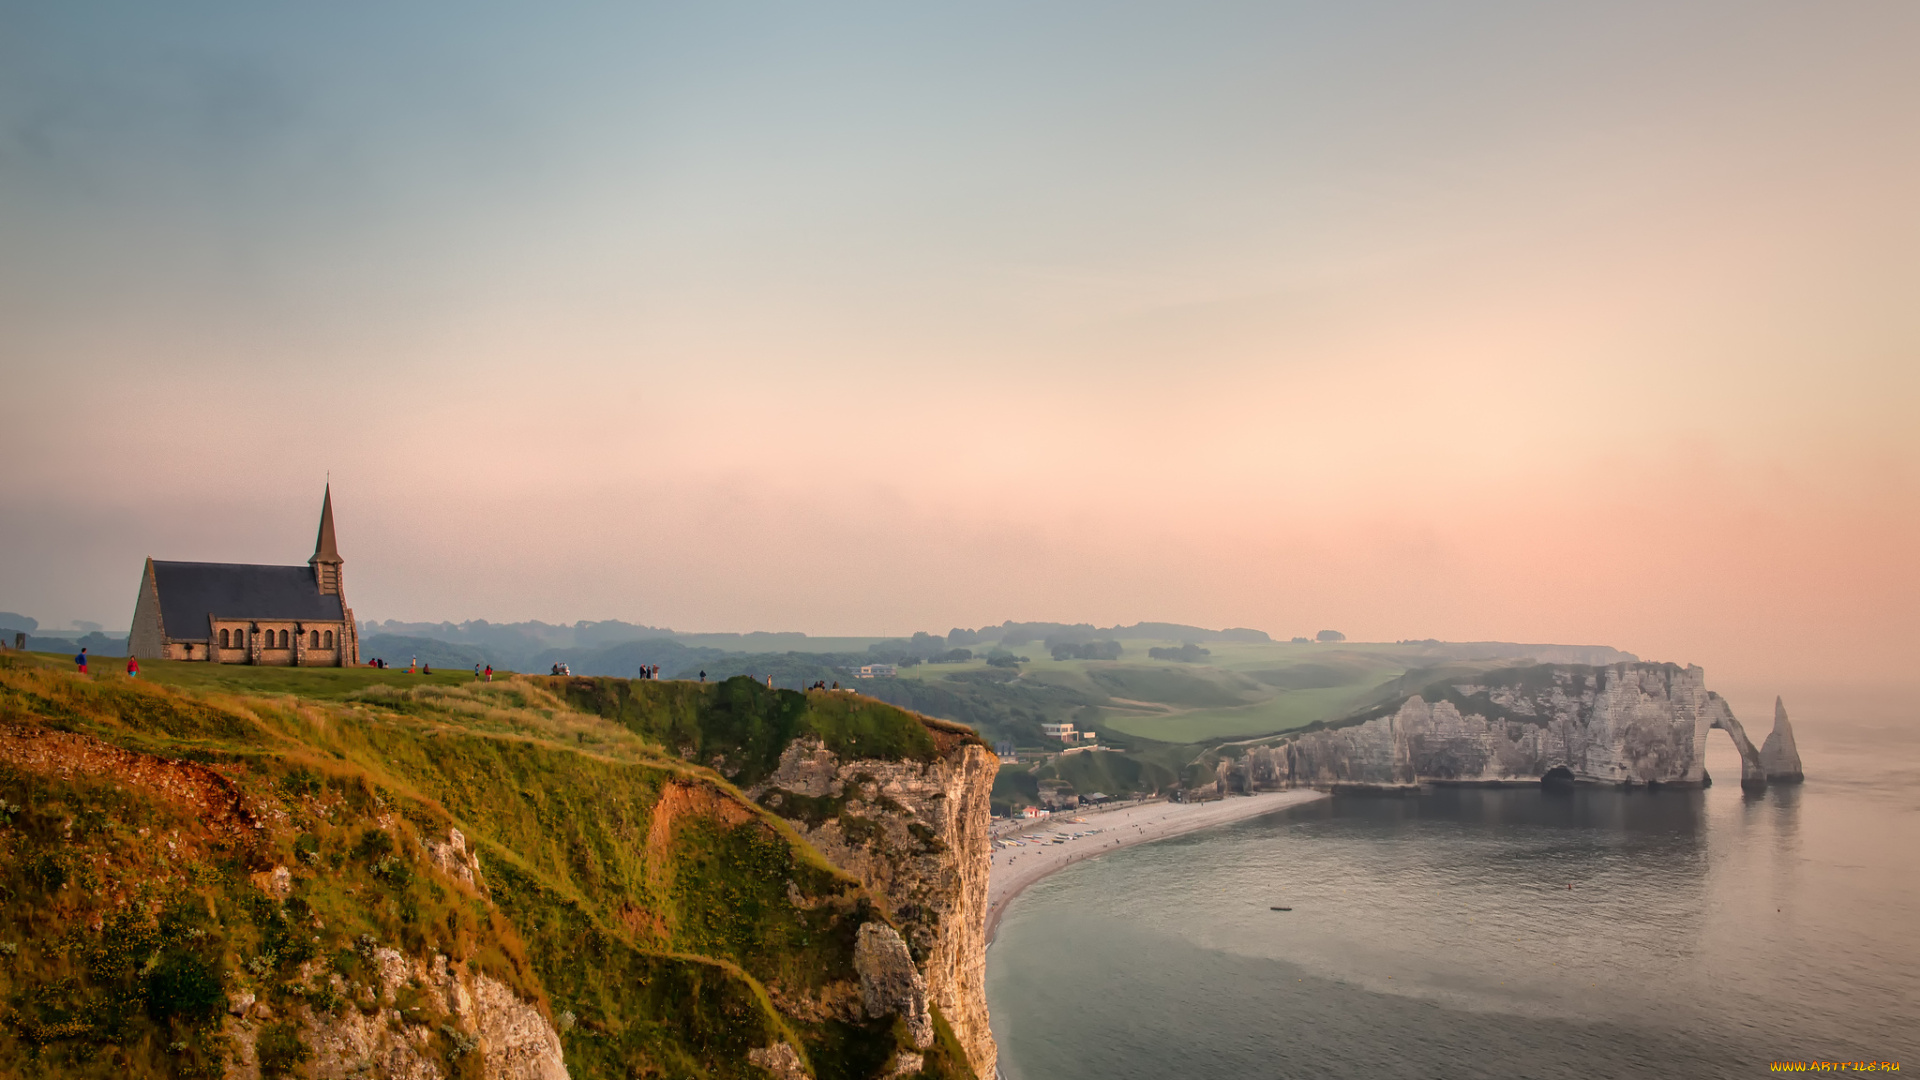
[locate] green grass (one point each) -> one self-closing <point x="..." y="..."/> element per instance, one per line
<point x="321" y="683"/>
<point x="1243" y="689"/>
<point x="1284" y="711"/>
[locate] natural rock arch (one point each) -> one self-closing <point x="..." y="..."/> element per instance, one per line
<point x="1778" y="762"/>
<point x="1753" y="775"/>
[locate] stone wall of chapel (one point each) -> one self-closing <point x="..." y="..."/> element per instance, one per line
<point x="350" y="641"/>
<point x="246" y="644"/>
<point x="145" y="638"/>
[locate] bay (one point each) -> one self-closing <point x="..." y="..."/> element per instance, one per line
<point x="1512" y="932"/>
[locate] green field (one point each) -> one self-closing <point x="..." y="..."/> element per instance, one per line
<point x="1239" y="691"/>
<point x="317" y="682"/>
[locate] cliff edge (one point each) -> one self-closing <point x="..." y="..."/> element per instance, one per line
<point x="528" y="879"/>
<point x="898" y="800"/>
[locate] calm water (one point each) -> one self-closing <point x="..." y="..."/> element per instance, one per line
<point x="1706" y="933"/>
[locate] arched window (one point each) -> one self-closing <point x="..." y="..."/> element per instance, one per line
<point x="329" y="639"/>
<point x="223" y="639"/>
<point x="314" y="641"/>
<point x="286" y="639"/>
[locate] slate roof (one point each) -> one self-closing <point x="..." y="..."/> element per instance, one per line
<point x="191" y="591"/>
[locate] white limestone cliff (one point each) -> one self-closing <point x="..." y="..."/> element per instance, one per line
<point x="915" y="834"/>
<point x="1625" y="724"/>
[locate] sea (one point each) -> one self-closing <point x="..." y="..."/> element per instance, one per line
<point x="1473" y="932"/>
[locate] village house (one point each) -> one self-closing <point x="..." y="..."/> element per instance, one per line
<point x="240" y="613"/>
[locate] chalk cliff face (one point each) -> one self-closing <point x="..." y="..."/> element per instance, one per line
<point x="1622" y="724"/>
<point x="915" y="834"/>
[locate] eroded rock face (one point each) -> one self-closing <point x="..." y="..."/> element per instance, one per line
<point x="915" y="834"/>
<point x="371" y="1036"/>
<point x="890" y="984"/>
<point x="1780" y="758"/>
<point x="1753" y="775"/>
<point x="1621" y="724"/>
<point x="454" y="860"/>
<point x="780" y="1059"/>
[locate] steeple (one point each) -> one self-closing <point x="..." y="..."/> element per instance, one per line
<point x="326" y="555"/>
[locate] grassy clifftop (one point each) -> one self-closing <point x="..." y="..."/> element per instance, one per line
<point x="169" y="843"/>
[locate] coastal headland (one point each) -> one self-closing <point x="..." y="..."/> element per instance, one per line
<point x="1103" y="831"/>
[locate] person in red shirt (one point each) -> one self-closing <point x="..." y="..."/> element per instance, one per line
<point x="133" y="668"/>
<point x="489" y="672"/>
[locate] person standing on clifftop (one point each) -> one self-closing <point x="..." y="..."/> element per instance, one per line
<point x="81" y="660"/>
<point x="133" y="668"/>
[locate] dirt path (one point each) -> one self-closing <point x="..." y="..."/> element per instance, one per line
<point x="1015" y="868"/>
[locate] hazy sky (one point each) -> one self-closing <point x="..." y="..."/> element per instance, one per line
<point x="1574" y="322"/>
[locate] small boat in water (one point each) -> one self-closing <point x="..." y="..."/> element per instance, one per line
<point x="1280" y="909"/>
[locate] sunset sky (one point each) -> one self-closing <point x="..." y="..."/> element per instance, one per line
<point x="1577" y="322"/>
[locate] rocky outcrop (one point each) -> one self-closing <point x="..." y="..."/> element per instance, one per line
<point x="454" y="860"/>
<point x="915" y="834"/>
<point x="781" y="1060"/>
<point x="890" y="984"/>
<point x="463" y="1012"/>
<point x="1780" y="758"/>
<point x="1621" y="724"/>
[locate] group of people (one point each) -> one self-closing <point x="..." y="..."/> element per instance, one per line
<point x="822" y="685"/>
<point x="415" y="666"/>
<point x="650" y="671"/>
<point x="561" y="669"/>
<point x="80" y="661"/>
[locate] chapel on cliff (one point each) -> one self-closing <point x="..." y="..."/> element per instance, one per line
<point x="240" y="613"/>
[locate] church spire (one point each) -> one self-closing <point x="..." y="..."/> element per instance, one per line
<point x="324" y="549"/>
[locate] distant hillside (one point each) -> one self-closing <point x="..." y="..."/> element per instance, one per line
<point x="398" y="650"/>
<point x="1540" y="654"/>
<point x="589" y="645"/>
<point x="96" y="643"/>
